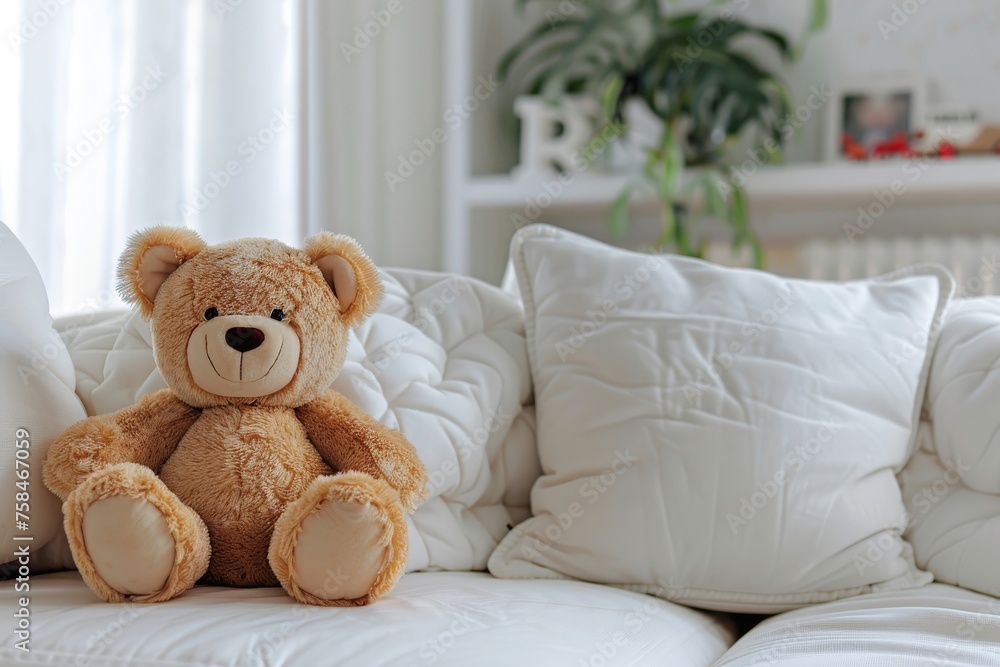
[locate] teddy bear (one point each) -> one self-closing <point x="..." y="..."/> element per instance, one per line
<point x="247" y="470"/>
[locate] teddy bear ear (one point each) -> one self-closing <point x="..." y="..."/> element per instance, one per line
<point x="349" y="272"/>
<point x="150" y="257"/>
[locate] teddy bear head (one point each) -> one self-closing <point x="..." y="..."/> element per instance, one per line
<point x="248" y="322"/>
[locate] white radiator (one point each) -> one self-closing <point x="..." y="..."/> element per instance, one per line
<point x="973" y="260"/>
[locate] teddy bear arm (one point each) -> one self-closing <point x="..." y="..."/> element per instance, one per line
<point x="350" y="440"/>
<point x="145" y="433"/>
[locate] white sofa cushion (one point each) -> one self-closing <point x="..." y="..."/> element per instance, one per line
<point x="724" y="438"/>
<point x="37" y="399"/>
<point x="954" y="530"/>
<point x="444" y="360"/>
<point x="964" y="391"/>
<point x="934" y="626"/>
<point x="952" y="485"/>
<point x="429" y="618"/>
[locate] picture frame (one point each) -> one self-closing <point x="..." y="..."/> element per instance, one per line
<point x="874" y="117"/>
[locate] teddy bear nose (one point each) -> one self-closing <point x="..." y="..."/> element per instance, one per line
<point x="244" y="339"/>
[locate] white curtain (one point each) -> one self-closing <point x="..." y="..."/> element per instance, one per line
<point x="222" y="115"/>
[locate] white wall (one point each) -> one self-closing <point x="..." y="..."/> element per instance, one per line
<point x="411" y="110"/>
<point x="951" y="45"/>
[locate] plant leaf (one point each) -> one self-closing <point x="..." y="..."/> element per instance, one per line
<point x="714" y="200"/>
<point x="741" y="228"/>
<point x="818" y="17"/>
<point x="618" y="220"/>
<point x="669" y="236"/>
<point x="673" y="166"/>
<point x="612" y="102"/>
<point x="819" y="12"/>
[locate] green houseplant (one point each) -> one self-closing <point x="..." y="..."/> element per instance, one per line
<point x="690" y="72"/>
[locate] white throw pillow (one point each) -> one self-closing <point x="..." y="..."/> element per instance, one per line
<point x="723" y="438"/>
<point x="444" y="360"/>
<point x="36" y="403"/>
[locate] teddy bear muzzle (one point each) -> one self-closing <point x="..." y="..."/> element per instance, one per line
<point x="245" y="356"/>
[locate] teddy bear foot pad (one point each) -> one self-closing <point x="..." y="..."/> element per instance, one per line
<point x="133" y="538"/>
<point x="129" y="543"/>
<point x="343" y="543"/>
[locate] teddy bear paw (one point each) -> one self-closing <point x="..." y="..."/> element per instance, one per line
<point x="343" y="543"/>
<point x="132" y="538"/>
<point x="129" y="543"/>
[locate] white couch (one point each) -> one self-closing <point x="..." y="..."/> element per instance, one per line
<point x="446" y="361"/>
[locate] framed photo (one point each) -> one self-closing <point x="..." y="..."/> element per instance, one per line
<point x="874" y="119"/>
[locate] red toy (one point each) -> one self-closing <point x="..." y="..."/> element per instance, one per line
<point x="897" y="144"/>
<point x="852" y="149"/>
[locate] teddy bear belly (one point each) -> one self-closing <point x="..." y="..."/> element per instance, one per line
<point x="256" y="462"/>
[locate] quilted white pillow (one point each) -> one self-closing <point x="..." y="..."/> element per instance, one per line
<point x="444" y="360"/>
<point x="954" y="530"/>
<point x="36" y="402"/>
<point x="724" y="438"/>
<point x="964" y="392"/>
<point x="952" y="485"/>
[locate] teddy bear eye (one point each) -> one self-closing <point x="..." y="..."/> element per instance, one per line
<point x="211" y="312"/>
<point x="277" y="314"/>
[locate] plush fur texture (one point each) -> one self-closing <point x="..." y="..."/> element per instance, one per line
<point x="369" y="284"/>
<point x="241" y="479"/>
<point x="184" y="243"/>
<point x="332" y="420"/>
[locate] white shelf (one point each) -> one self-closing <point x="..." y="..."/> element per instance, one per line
<point x="501" y="191"/>
<point x="782" y="187"/>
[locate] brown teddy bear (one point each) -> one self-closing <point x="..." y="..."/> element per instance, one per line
<point x="248" y="470"/>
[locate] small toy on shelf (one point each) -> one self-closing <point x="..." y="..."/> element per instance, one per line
<point x="946" y="151"/>
<point x="896" y="145"/>
<point x="953" y="132"/>
<point x="852" y="149"/>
